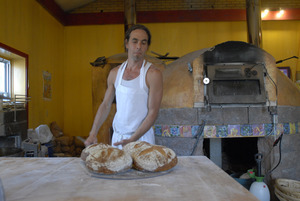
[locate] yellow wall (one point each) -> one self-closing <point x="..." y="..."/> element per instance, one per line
<point x="282" y="40"/>
<point x="19" y="75"/>
<point x="28" y="27"/>
<point x="66" y="52"/>
<point x="84" y="44"/>
<point x="182" y="38"/>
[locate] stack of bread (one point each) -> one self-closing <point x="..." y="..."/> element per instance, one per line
<point x="105" y="159"/>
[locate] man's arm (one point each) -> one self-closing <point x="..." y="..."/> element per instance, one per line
<point x="154" y="80"/>
<point x="103" y="109"/>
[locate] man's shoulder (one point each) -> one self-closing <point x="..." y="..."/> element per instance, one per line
<point x="154" y="73"/>
<point x="154" y="69"/>
<point x="113" y="74"/>
<point x="114" y="70"/>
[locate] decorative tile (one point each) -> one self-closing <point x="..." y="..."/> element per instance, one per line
<point x="292" y="128"/>
<point x="233" y="130"/>
<point x="268" y="129"/>
<point x="286" y="128"/>
<point x="194" y="130"/>
<point x="174" y="130"/>
<point x="165" y="131"/>
<point x="258" y="130"/>
<point x="209" y="131"/>
<point x="279" y="129"/>
<point x="185" y="131"/>
<point x="158" y="130"/>
<point x="246" y="130"/>
<point x="222" y="131"/>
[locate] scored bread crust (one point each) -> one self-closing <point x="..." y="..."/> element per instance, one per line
<point x="105" y="159"/>
<point x="148" y="157"/>
<point x="86" y="151"/>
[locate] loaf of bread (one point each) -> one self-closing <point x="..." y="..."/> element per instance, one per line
<point x="86" y="151"/>
<point x="105" y="159"/>
<point x="148" y="157"/>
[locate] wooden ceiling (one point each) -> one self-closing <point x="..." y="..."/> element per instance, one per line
<point x="69" y="5"/>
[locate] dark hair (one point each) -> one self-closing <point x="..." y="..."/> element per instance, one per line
<point x="135" y="27"/>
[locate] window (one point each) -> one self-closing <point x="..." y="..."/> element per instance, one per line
<point x="5" y="77"/>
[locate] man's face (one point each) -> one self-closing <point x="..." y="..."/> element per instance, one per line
<point x="137" y="45"/>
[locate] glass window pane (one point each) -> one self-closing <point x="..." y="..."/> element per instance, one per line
<point x="2" y="77"/>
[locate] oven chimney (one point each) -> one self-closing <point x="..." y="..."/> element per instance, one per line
<point x="130" y="14"/>
<point x="253" y="12"/>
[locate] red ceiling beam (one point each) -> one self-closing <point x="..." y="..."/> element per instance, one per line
<point x="289" y="14"/>
<point x="95" y="18"/>
<point x="158" y="16"/>
<point x="191" y="15"/>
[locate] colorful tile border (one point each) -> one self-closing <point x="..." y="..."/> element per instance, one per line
<point x="224" y="131"/>
<point x="234" y="131"/>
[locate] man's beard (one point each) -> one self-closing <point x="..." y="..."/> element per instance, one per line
<point x="138" y="57"/>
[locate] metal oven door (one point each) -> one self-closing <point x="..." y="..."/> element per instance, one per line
<point x="235" y="84"/>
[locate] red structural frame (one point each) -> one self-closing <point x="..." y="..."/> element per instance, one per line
<point x="158" y="16"/>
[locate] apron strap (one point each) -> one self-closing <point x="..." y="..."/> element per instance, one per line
<point x="122" y="68"/>
<point x="143" y="74"/>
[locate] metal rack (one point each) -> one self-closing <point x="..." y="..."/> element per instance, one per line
<point x="19" y="101"/>
<point x="12" y="106"/>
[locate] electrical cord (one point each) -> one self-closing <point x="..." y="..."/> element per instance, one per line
<point x="279" y="140"/>
<point x="199" y="134"/>
<point x="253" y="66"/>
<point x="276" y="94"/>
<point x="274" y="85"/>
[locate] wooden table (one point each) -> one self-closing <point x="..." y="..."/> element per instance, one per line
<point x="66" y="179"/>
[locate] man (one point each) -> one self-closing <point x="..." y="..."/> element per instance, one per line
<point x="138" y="86"/>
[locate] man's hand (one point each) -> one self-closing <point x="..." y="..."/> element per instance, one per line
<point x="123" y="142"/>
<point x="92" y="139"/>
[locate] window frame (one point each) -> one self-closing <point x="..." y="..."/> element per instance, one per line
<point x="7" y="76"/>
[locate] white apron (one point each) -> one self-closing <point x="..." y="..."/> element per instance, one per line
<point x="132" y="107"/>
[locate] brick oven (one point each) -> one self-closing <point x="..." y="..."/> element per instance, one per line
<point x="236" y="90"/>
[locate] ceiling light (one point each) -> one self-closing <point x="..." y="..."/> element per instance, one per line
<point x="280" y="14"/>
<point x="264" y="13"/>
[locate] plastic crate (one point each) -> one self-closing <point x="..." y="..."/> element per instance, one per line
<point x="30" y="148"/>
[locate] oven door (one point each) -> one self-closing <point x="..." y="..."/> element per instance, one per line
<point x="235" y="84"/>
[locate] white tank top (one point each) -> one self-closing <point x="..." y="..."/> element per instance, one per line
<point x="133" y="83"/>
<point x="132" y="104"/>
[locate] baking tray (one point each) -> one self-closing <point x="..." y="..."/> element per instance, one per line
<point x="127" y="175"/>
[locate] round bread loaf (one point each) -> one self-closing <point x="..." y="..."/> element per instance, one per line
<point x="148" y="157"/>
<point x="106" y="159"/>
<point x="86" y="151"/>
